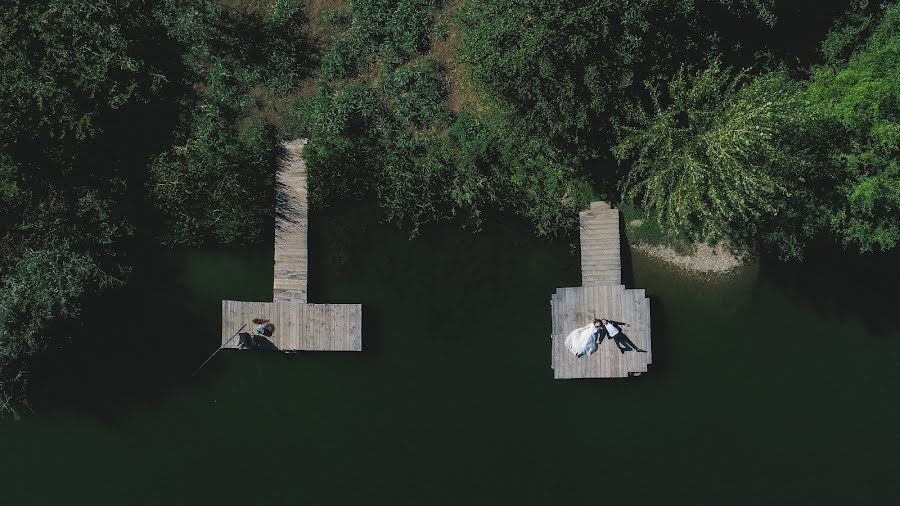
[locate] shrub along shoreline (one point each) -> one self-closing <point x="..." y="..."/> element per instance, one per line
<point x="564" y="104"/>
<point x="127" y="123"/>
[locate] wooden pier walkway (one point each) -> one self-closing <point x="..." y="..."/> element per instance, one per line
<point x="291" y="227"/>
<point x="601" y="257"/>
<point x="602" y="295"/>
<point x="298" y="325"/>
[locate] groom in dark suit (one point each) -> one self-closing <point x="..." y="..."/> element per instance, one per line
<point x="613" y="329"/>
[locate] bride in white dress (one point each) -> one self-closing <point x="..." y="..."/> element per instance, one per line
<point x="583" y="341"/>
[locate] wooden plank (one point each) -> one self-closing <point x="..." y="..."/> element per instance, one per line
<point x="597" y="301"/>
<point x="559" y="344"/>
<point x="357" y="328"/>
<point x="647" y="317"/>
<point x="554" y="331"/>
<point x="308" y="327"/>
<point x="315" y="314"/>
<point x="587" y="365"/>
<point x="630" y="314"/>
<point x="345" y="326"/>
<point x="614" y="314"/>
<point x="296" y="311"/>
<point x="321" y="327"/>
<point x="226" y="321"/>
<point x="568" y="315"/>
<point x="299" y="326"/>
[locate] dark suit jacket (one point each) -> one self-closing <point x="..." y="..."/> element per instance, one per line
<point x="602" y="333"/>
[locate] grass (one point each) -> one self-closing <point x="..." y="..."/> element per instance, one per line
<point x="320" y="27"/>
<point x="641" y="228"/>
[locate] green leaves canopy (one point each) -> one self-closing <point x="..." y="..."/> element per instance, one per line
<point x="42" y="292"/>
<point x="860" y="101"/>
<point x="704" y="162"/>
<point x="63" y="64"/>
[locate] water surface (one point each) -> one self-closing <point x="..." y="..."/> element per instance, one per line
<point x="777" y="385"/>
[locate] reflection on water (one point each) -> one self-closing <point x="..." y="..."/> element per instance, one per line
<point x="764" y="383"/>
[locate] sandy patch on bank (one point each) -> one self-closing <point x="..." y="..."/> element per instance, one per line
<point x="716" y="259"/>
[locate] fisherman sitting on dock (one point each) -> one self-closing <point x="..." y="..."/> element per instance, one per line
<point x="614" y="330"/>
<point x="257" y="340"/>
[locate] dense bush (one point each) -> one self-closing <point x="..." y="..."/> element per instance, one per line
<point x="114" y="111"/>
<point x="39" y="296"/>
<point x="217" y="182"/>
<point x="219" y="185"/>
<point x="567" y="69"/>
<point x="858" y="101"/>
<point x="380" y="126"/>
<point x="63" y="65"/>
<point x="706" y="163"/>
<point x="778" y="162"/>
<point x="106" y="107"/>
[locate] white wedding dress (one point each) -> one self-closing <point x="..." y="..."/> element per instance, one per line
<point x="582" y="341"/>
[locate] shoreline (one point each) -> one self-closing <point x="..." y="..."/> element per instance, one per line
<point x="704" y="258"/>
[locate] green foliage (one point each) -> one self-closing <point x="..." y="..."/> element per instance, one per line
<point x="365" y="141"/>
<point x="384" y="30"/>
<point x="67" y="70"/>
<point x="90" y="91"/>
<point x="567" y="69"/>
<point x="415" y="93"/>
<point x="335" y="18"/>
<point x="649" y="231"/>
<point x="63" y="64"/>
<point x="702" y="164"/>
<point x="377" y="129"/>
<point x="287" y="54"/>
<point x="550" y="62"/>
<point x="380" y="126"/>
<point x="220" y="184"/>
<point x="846" y="36"/>
<point x="763" y="10"/>
<point x="255" y="48"/>
<point x="859" y="101"/>
<point x="8" y="187"/>
<point x="40" y="295"/>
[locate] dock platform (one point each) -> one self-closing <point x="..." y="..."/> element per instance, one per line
<point x="602" y="295"/>
<point x="299" y="326"/>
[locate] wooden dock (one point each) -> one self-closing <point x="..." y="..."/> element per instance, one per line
<point x="602" y="295"/>
<point x="298" y="325"/>
<point x="601" y="255"/>
<point x="291" y="225"/>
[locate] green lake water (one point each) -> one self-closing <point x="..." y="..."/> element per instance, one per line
<point x="776" y="385"/>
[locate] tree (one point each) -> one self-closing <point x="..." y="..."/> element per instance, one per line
<point x="63" y="64"/>
<point x="858" y="102"/>
<point x="567" y="69"/>
<point x="704" y="163"/>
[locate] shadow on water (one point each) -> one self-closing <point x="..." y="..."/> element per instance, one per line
<point x="372" y="332"/>
<point x="256" y="342"/>
<point x="137" y="344"/>
<point x="842" y="285"/>
<point x="661" y="352"/>
<point x="454" y="390"/>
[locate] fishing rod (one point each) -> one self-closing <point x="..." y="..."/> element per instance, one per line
<point x="220" y="348"/>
